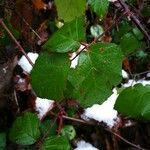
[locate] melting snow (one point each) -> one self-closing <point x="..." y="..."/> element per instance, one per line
<point x="42" y="106"/>
<point x="82" y="145"/>
<point x="112" y="1"/>
<point x="148" y="75"/>
<point x="125" y="74"/>
<point x="104" y="112"/>
<point x="133" y="82"/>
<point x="74" y="63"/>
<point x="25" y="65"/>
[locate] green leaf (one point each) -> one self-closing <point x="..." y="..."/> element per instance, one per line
<point x="141" y="55"/>
<point x="132" y="2"/>
<point x="46" y="125"/>
<point x="135" y="102"/>
<point x="2" y="140"/>
<point x="123" y="28"/>
<point x="49" y="75"/>
<point x="96" y="30"/>
<point x="100" y="7"/>
<point x="15" y="33"/>
<point x="139" y="35"/>
<point x="56" y="143"/>
<point x="97" y="72"/>
<point x="107" y="59"/>
<point x="129" y="43"/>
<point x="25" y="129"/>
<point x="146" y="11"/>
<point x="70" y="9"/>
<point x="67" y="38"/>
<point x="69" y="132"/>
<point x="5" y="39"/>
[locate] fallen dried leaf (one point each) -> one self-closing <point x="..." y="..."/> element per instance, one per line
<point x="39" y="4"/>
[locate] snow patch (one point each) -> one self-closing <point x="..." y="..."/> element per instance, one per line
<point x="112" y="1"/>
<point x="128" y="123"/>
<point x="74" y="62"/>
<point x="42" y="106"/>
<point x="82" y="145"/>
<point x="25" y="65"/>
<point x="144" y="82"/>
<point x="104" y="112"/>
<point x="133" y="82"/>
<point x="125" y="75"/>
<point x="148" y="75"/>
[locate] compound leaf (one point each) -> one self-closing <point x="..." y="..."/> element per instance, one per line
<point x="49" y="75"/>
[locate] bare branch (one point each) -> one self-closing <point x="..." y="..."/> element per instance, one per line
<point x="96" y="39"/>
<point x="135" y="19"/>
<point x="99" y="124"/>
<point x="15" y="41"/>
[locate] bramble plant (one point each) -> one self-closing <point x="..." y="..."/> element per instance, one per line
<point x="101" y="41"/>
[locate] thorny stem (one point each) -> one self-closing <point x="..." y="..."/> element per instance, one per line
<point x="107" y="129"/>
<point x="134" y="19"/>
<point x="16" y="42"/>
<point x="96" y="39"/>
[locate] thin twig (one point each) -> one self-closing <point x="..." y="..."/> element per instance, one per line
<point x="107" y="129"/>
<point x="24" y="20"/>
<point x="141" y="73"/>
<point x="126" y="141"/>
<point x="73" y="119"/>
<point x="15" y="41"/>
<point x="16" y="100"/>
<point x="134" y="19"/>
<point x="96" y="39"/>
<point x="85" y="47"/>
<point x="109" y="28"/>
<point x="49" y="129"/>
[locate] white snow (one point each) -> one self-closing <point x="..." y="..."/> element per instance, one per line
<point x="125" y="74"/>
<point x="42" y="106"/>
<point x="128" y="123"/>
<point x="5" y="69"/>
<point x="148" y="75"/>
<point x="82" y="145"/>
<point x="104" y="112"/>
<point x="144" y="82"/>
<point x="25" y="65"/>
<point x="74" y="63"/>
<point x="112" y="1"/>
<point x="133" y="82"/>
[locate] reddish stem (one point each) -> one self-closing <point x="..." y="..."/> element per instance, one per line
<point x="60" y="120"/>
<point x="96" y="39"/>
<point x="99" y="124"/>
<point x="15" y="41"/>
